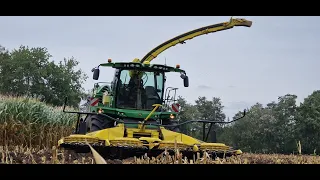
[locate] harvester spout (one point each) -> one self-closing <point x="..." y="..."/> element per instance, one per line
<point x="195" y="33"/>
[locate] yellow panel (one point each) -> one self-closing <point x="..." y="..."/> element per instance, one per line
<point x="172" y="136"/>
<point x="109" y="134"/>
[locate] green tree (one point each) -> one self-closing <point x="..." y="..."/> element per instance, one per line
<point x="209" y="110"/>
<point x="246" y="133"/>
<point x="64" y="81"/>
<point x="267" y="129"/>
<point x="4" y="67"/>
<point x="285" y="112"/>
<point x="29" y="72"/>
<point x="308" y="123"/>
<point x="187" y="112"/>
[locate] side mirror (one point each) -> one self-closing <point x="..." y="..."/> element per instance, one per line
<point x="186" y="81"/>
<point x="96" y="73"/>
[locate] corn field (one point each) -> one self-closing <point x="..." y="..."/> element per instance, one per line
<point x="30" y="130"/>
<point x="29" y="122"/>
<point x="25" y="155"/>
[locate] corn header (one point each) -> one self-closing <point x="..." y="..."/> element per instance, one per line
<point x="131" y="116"/>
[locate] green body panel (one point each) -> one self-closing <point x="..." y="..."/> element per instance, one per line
<point x="136" y="126"/>
<point x="142" y="66"/>
<point x="100" y="88"/>
<point x="131" y="113"/>
<point x="98" y="92"/>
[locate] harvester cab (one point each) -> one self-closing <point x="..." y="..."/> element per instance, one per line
<point x="129" y="117"/>
<point x="135" y="89"/>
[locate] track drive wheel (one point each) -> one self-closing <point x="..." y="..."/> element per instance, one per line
<point x="177" y="128"/>
<point x="172" y="122"/>
<point x="98" y="122"/>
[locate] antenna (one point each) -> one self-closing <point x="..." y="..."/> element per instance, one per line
<point x="165" y="61"/>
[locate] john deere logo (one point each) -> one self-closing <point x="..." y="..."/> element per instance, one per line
<point x="140" y="114"/>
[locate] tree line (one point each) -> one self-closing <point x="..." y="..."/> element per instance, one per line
<point x="276" y="127"/>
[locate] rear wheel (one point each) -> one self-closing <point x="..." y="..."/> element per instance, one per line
<point x="98" y="122"/>
<point x="172" y="122"/>
<point x="176" y="128"/>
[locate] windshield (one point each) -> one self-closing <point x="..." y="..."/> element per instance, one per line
<point x="139" y="90"/>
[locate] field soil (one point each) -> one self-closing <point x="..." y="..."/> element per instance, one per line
<point x="21" y="155"/>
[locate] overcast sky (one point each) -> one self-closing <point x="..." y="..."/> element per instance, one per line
<point x="242" y="66"/>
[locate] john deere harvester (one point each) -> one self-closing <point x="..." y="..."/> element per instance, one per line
<point x="131" y="115"/>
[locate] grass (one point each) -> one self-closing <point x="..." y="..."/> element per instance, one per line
<point x="29" y="128"/>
